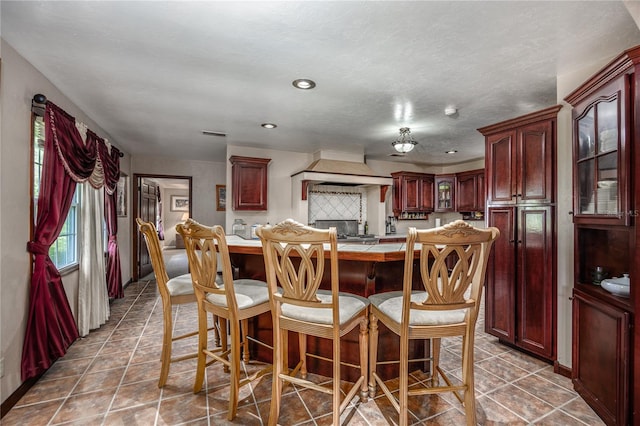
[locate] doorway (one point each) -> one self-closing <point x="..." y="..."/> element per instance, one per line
<point x="157" y="197"/>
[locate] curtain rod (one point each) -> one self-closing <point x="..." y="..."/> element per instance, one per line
<point x="38" y="105"/>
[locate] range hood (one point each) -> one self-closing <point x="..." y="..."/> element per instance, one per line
<point x="340" y="172"/>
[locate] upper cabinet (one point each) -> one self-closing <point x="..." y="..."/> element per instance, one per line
<point x="470" y="191"/>
<point x="445" y="193"/>
<point x="600" y="129"/>
<point x="412" y="194"/>
<point x="249" y="182"/>
<point x="520" y="155"/>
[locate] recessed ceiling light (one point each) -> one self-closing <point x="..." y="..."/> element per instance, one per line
<point x="304" y="83"/>
<point x="451" y="151"/>
<point x="269" y="125"/>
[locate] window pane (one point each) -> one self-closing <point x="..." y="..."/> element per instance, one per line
<point x="63" y="251"/>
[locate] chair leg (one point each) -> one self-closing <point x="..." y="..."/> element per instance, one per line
<point x="167" y="343"/>
<point x="245" y="342"/>
<point x="224" y="338"/>
<point x="203" y="336"/>
<point x="468" y="379"/>
<point x="278" y="365"/>
<point x="403" y="393"/>
<point x="302" y="344"/>
<point x="235" y="369"/>
<point x="364" y="353"/>
<point x="435" y="363"/>
<point x="373" y="353"/>
<point x="336" y="379"/>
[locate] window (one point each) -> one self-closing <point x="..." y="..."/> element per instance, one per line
<point x="64" y="251"/>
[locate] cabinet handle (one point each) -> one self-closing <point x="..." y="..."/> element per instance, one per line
<point x="570" y="297"/>
<point x="512" y="241"/>
<point x="571" y="213"/>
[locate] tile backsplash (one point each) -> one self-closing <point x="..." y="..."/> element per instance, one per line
<point x="331" y="202"/>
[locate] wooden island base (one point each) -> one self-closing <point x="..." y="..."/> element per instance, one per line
<point x="362" y="273"/>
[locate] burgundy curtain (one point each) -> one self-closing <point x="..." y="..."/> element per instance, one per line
<point x="111" y="164"/>
<point x="68" y="159"/>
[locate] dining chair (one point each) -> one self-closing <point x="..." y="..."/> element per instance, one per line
<point x="233" y="301"/>
<point x="450" y="266"/>
<point x="294" y="256"/>
<point x="174" y="291"/>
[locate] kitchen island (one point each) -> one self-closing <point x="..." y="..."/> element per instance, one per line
<point x="364" y="269"/>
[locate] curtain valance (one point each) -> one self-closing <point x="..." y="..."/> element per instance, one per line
<point x="85" y="155"/>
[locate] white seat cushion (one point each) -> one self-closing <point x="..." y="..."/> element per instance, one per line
<point x="390" y="304"/>
<point x="350" y="306"/>
<point x="180" y="285"/>
<point x="248" y="293"/>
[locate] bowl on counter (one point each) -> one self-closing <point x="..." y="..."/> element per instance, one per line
<point x="617" y="286"/>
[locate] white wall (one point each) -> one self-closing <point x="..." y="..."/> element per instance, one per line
<point x="565" y="85"/>
<point x="19" y="82"/>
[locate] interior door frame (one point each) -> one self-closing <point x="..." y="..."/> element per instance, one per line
<point x="135" y="234"/>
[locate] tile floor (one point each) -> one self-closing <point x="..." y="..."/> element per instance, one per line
<point x="110" y="378"/>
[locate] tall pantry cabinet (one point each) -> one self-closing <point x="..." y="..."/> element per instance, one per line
<point x="520" y="172"/>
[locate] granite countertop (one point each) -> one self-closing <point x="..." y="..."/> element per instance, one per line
<point x="347" y="251"/>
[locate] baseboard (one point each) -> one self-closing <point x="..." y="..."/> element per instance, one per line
<point x="19" y="393"/>
<point x="561" y="370"/>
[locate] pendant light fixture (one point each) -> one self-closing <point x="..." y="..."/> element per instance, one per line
<point x="404" y="143"/>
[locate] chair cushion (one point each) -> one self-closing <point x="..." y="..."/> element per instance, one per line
<point x="180" y="285"/>
<point x="350" y="306"/>
<point x="248" y="293"/>
<point x="390" y="304"/>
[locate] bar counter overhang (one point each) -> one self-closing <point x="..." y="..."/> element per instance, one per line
<point x="364" y="269"/>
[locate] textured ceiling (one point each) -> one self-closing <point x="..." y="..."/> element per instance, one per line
<point x="155" y="74"/>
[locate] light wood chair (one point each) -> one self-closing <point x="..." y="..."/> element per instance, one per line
<point x="232" y="301"/>
<point x="174" y="291"/>
<point x="294" y="256"/>
<point x="451" y="263"/>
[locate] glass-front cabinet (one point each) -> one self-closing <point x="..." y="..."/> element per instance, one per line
<point x="445" y="193"/>
<point x="601" y="192"/>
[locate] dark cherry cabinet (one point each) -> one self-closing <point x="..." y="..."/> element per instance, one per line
<point x="445" y="195"/>
<point x="520" y="159"/>
<point x="521" y="289"/>
<point x="412" y="193"/>
<point x="470" y="193"/>
<point x="606" y="190"/>
<point x="249" y="182"/>
<point x="601" y="342"/>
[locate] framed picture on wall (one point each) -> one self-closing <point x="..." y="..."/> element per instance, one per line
<point x="121" y="196"/>
<point x="221" y="198"/>
<point x="179" y="203"/>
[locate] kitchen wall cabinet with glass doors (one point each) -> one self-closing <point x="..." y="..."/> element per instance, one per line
<point x="605" y="338"/>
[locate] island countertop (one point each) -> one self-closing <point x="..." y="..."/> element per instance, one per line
<point x="381" y="252"/>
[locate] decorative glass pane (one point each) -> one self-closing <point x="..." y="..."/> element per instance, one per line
<point x="607" y="192"/>
<point x="586" y="187"/>
<point x="608" y="126"/>
<point x="587" y="136"/>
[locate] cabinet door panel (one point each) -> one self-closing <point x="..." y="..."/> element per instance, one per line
<point x="535" y="147"/>
<point x="411" y="188"/>
<point x="426" y="194"/>
<point x="536" y="288"/>
<point x="500" y="283"/>
<point x="467" y="193"/>
<point x="249" y="182"/>
<point x="501" y="170"/>
<point x="600" y="351"/>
